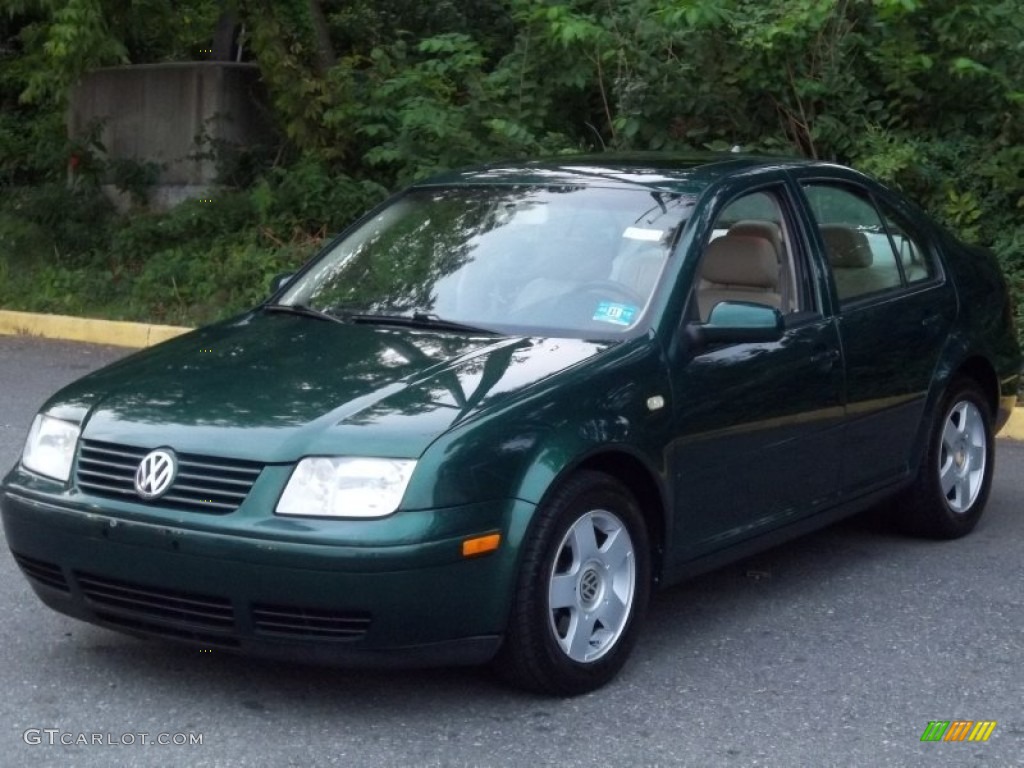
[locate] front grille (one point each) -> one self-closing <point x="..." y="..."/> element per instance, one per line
<point x="202" y="484"/>
<point x="134" y="602"/>
<point x="43" y="572"/>
<point x="309" y="623"/>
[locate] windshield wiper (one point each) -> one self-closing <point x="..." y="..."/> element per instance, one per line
<point x="301" y="309"/>
<point x="418" y="320"/>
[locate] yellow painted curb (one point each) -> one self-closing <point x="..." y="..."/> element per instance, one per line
<point x="93" y="331"/>
<point x="1014" y="427"/>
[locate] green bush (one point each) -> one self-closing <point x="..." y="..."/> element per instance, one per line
<point x="64" y="250"/>
<point x="929" y="96"/>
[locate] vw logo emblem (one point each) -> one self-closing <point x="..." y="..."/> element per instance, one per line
<point x="155" y="474"/>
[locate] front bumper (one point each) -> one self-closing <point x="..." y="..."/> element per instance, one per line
<point x="414" y="601"/>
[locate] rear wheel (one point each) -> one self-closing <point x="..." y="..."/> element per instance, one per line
<point x="582" y="589"/>
<point x="952" y="486"/>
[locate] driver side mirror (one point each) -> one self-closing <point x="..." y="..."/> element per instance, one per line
<point x="737" y="322"/>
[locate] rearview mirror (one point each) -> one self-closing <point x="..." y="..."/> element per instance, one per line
<point x="737" y="322"/>
<point x="280" y="281"/>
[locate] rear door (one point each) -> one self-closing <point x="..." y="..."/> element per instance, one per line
<point x="894" y="311"/>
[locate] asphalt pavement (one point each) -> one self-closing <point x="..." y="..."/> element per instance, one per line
<point x="837" y="649"/>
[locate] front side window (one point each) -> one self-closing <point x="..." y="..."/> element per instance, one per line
<point x="750" y="257"/>
<point x="562" y="259"/>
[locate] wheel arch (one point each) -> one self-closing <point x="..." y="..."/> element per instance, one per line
<point x="536" y="652"/>
<point x="981" y="371"/>
<point x="959" y="363"/>
<point x="641" y="481"/>
<point x="926" y="507"/>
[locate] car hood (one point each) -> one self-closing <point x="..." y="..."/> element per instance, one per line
<point x="276" y="387"/>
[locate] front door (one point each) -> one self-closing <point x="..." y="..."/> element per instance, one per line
<point x="758" y="426"/>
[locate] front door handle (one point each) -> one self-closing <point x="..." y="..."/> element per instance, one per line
<point x="825" y="358"/>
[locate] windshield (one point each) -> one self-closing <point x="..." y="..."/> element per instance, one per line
<point x="582" y="261"/>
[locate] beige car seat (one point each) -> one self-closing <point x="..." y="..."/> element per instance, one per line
<point x="739" y="268"/>
<point x="771" y="231"/>
<point x="849" y="253"/>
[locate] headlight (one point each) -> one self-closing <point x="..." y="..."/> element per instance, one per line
<point x="50" y="447"/>
<point x="346" y="487"/>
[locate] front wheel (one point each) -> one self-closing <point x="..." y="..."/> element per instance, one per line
<point x="953" y="482"/>
<point x="582" y="589"/>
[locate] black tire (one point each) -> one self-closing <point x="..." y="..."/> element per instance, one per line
<point x="574" y="648"/>
<point x="953" y="481"/>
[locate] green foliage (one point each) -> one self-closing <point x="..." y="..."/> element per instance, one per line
<point x="62" y="249"/>
<point x="66" y="38"/>
<point x="32" y="138"/>
<point x="308" y="200"/>
<point x="282" y="36"/>
<point x="48" y="235"/>
<point x="133" y="177"/>
<point x="33" y="146"/>
<point x="238" y="165"/>
<point x="73" y="220"/>
<point x="371" y="94"/>
<point x="411" y="111"/>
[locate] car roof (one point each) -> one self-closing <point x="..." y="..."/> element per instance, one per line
<point x="675" y="172"/>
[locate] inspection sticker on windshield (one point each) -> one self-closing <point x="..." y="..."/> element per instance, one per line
<point x="618" y="314"/>
<point x="642" y="233"/>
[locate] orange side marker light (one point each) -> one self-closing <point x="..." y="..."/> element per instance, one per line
<point x="481" y="545"/>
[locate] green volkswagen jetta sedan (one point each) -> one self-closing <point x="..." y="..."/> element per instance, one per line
<point x="484" y="422"/>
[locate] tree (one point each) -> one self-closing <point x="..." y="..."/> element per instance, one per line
<point x="371" y="94"/>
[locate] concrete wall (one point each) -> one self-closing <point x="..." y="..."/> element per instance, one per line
<point x="154" y="112"/>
